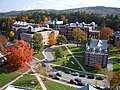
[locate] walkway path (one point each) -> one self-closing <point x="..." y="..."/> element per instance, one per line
<point x="76" y="59"/>
<point x="15" y="80"/>
<point x="38" y="78"/>
<point x="83" y="70"/>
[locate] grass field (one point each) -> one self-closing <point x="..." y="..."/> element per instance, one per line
<point x="26" y="80"/>
<point x="115" y="53"/>
<point x="39" y="56"/>
<point x="67" y="61"/>
<point x="6" y="77"/>
<point x="57" y="86"/>
<point x="78" y="52"/>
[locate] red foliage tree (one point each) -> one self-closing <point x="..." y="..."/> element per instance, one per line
<point x="20" y="53"/>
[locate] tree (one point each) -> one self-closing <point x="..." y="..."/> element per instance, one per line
<point x="79" y="35"/>
<point x="63" y="18"/>
<point x="59" y="53"/>
<point x="52" y="39"/>
<point x="20" y="53"/>
<point x="115" y="81"/>
<point x="32" y="21"/>
<point x="61" y="39"/>
<point x="45" y="19"/>
<point x="3" y="43"/>
<point x="37" y="42"/>
<point x="98" y="67"/>
<point x="11" y="34"/>
<point x="41" y="22"/>
<point x="106" y="33"/>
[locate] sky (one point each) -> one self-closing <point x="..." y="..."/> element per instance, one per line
<point x="10" y="5"/>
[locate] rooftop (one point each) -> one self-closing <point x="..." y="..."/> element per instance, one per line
<point x="98" y="46"/>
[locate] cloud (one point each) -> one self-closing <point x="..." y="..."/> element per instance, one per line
<point x="43" y="1"/>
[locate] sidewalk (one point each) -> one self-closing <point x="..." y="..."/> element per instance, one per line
<point x="76" y="59"/>
<point x="38" y="78"/>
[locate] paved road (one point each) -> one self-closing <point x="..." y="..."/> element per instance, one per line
<point x="62" y="82"/>
<point x="48" y="55"/>
<point x="68" y="77"/>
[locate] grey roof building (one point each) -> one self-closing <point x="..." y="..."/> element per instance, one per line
<point x="97" y="53"/>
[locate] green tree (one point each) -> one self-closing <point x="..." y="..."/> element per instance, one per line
<point x="32" y="21"/>
<point x="59" y="53"/>
<point x="79" y="35"/>
<point x="61" y="39"/>
<point x="37" y="42"/>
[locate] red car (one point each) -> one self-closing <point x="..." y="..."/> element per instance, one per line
<point x="73" y="81"/>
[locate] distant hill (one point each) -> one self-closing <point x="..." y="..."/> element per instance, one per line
<point x="98" y="9"/>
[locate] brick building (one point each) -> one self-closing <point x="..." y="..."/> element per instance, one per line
<point x="66" y="30"/>
<point x="96" y="53"/>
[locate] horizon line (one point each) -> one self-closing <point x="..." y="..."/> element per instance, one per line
<point x="54" y="9"/>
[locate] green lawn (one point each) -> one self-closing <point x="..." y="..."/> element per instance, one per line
<point x="39" y="56"/>
<point x="78" y="52"/>
<point x="114" y="52"/>
<point x="57" y="86"/>
<point x="26" y="80"/>
<point x="67" y="61"/>
<point x="116" y="67"/>
<point x="6" y="77"/>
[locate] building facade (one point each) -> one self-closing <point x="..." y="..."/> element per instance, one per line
<point x="45" y="34"/>
<point x="96" y="53"/>
<point x="117" y="38"/>
<point x="66" y="30"/>
<point x="25" y="31"/>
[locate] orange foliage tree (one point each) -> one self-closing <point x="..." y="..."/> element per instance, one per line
<point x="45" y="19"/>
<point x="25" y="19"/>
<point x="12" y="20"/>
<point x="52" y="39"/>
<point x="20" y="53"/>
<point x="106" y="33"/>
<point x="98" y="67"/>
<point x="41" y="22"/>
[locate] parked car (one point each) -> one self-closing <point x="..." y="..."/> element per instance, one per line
<point x="97" y="87"/>
<point x="72" y="81"/>
<point x="77" y="79"/>
<point x="99" y="78"/>
<point x="81" y="83"/>
<point x="58" y="74"/>
<point x="90" y="76"/>
<point x="68" y="72"/>
<point x="56" y="77"/>
<point x="74" y="73"/>
<point x="82" y="75"/>
<point x="51" y="75"/>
